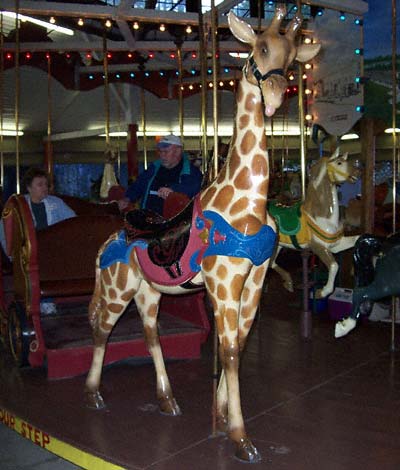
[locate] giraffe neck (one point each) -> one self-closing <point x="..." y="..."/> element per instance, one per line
<point x="239" y="193"/>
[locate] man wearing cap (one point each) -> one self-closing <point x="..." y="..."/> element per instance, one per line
<point x="173" y="172"/>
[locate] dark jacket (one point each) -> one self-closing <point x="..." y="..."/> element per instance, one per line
<point x="189" y="182"/>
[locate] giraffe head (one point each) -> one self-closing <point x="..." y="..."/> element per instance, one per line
<point x="271" y="55"/>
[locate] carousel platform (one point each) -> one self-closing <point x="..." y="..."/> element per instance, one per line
<point x="309" y="405"/>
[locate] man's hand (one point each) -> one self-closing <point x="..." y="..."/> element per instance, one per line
<point x="164" y="192"/>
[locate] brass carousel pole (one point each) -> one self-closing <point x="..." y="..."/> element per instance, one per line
<point x="394" y="160"/>
<point x="214" y="32"/>
<point x="17" y="98"/>
<point x="108" y="179"/>
<point x="1" y="103"/>
<point x="49" y="147"/>
<point x="143" y="113"/>
<point x="214" y="13"/>
<point x="106" y="91"/>
<point x="306" y="326"/>
<point x="203" y="72"/>
<point x="180" y="86"/>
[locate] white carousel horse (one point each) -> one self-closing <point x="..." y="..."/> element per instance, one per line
<point x="316" y="225"/>
<point x="230" y="241"/>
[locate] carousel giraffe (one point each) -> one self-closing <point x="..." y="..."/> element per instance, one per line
<point x="236" y="234"/>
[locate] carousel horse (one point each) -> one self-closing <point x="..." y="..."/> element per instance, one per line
<point x="315" y="223"/>
<point x="223" y="240"/>
<point x="376" y="274"/>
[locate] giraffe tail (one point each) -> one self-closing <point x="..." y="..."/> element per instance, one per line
<point x="95" y="302"/>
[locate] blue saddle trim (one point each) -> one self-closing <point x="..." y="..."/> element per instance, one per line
<point x="118" y="251"/>
<point x="227" y="241"/>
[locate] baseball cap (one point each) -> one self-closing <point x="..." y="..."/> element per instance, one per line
<point x="168" y="140"/>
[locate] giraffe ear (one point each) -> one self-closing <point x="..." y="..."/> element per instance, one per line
<point x="241" y="30"/>
<point x="306" y="52"/>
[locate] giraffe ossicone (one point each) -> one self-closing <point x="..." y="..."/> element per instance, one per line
<point x="233" y="280"/>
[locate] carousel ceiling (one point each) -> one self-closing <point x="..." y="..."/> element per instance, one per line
<point x="133" y="45"/>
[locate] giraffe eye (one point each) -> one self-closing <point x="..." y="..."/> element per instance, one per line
<point x="264" y="50"/>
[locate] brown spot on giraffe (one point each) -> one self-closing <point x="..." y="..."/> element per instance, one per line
<point x="263" y="143"/>
<point x="224" y="198"/>
<point x="220" y="323"/>
<point x="236" y="286"/>
<point x="231" y="318"/>
<point x="210" y="283"/>
<point x="122" y="277"/>
<point x="221" y="176"/>
<point x="247" y="224"/>
<point x="250" y="102"/>
<point x="222" y="293"/>
<point x="106" y="277"/>
<point x="207" y="196"/>
<point x="209" y="263"/>
<point x="248" y="142"/>
<point x="127" y="295"/>
<point x="247" y="325"/>
<point x="140" y="299"/>
<point x="244" y="121"/>
<point x="222" y="272"/>
<point x="153" y="310"/>
<point x="246" y="311"/>
<point x="245" y="294"/>
<point x="112" y="293"/>
<point x="239" y="206"/>
<point x="236" y="261"/>
<point x="243" y="179"/>
<point x="259" y="275"/>
<point x="115" y="308"/>
<point x="259" y="115"/>
<point x="258" y="165"/>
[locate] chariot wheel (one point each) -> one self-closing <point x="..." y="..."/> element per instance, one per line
<point x="18" y="334"/>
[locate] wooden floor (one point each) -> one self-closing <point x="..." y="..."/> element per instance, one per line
<point x="322" y="404"/>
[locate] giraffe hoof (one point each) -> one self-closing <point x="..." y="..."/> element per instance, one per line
<point x="169" y="406"/>
<point x="94" y="400"/>
<point x="247" y="452"/>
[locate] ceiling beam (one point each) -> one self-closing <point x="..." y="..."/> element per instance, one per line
<point x="29" y="7"/>
<point x="80" y="46"/>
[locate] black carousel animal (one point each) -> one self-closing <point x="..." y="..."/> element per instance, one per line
<point x="373" y="281"/>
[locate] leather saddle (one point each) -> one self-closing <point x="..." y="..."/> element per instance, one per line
<point x="167" y="238"/>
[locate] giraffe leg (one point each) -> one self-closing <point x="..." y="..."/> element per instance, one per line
<point x="225" y="292"/>
<point x="249" y="304"/>
<point x="147" y="301"/>
<point x="109" y="301"/>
